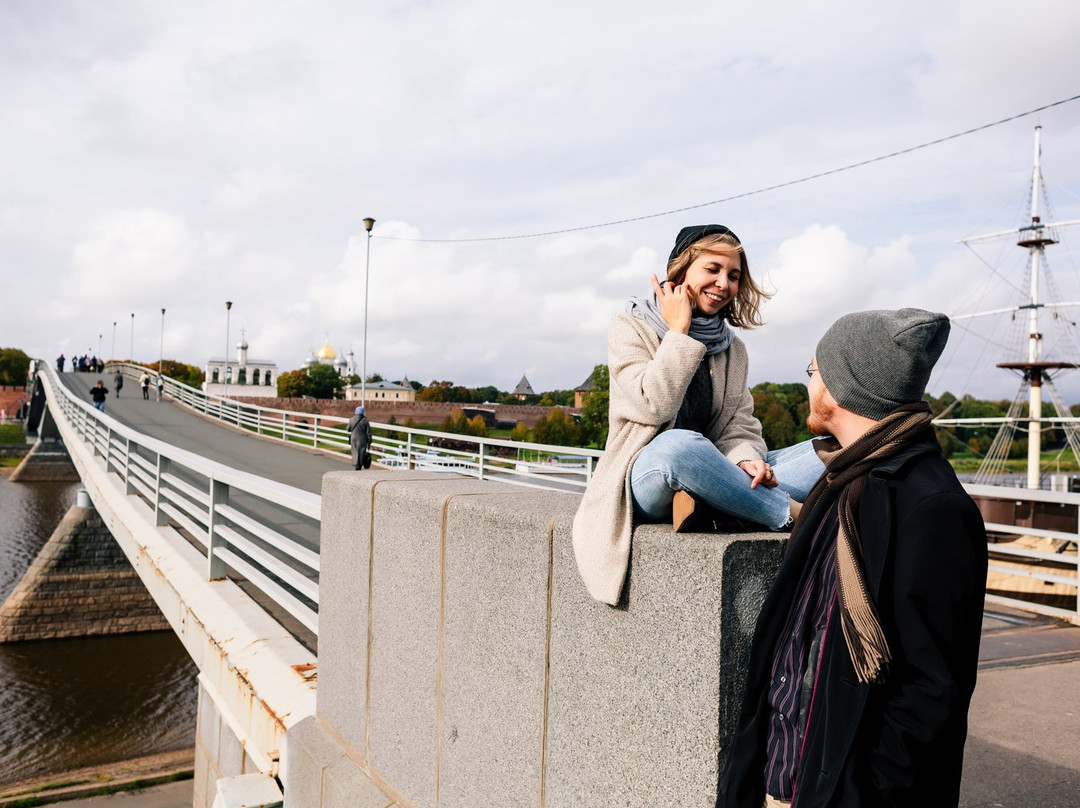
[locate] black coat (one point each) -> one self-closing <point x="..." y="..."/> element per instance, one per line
<point x="900" y="742"/>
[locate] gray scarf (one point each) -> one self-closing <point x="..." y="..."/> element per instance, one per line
<point x="712" y="332"/>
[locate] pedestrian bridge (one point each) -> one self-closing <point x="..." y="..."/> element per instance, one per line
<point x="403" y="636"/>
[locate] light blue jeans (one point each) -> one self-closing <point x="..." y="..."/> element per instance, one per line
<point x="681" y="460"/>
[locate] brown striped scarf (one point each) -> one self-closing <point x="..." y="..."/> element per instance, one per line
<point x="846" y="468"/>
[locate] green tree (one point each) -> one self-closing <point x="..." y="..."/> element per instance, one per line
<point x="520" y="432"/>
<point x="594" y="408"/>
<point x="455" y="422"/>
<point x="557" y="428"/>
<point x="293" y="384"/>
<point x="14" y="365"/>
<point x="436" y="391"/>
<point x="777" y="423"/>
<point x="325" y="382"/>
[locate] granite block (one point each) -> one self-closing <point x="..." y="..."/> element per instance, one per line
<point x="494" y="649"/>
<point x="201" y="778"/>
<point x="346" y="786"/>
<point x="404" y="651"/>
<point x="308" y="751"/>
<point x="344" y="557"/>
<point x="634" y="701"/>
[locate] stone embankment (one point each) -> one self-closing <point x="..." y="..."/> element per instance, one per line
<point x="80" y="585"/>
<point x="46" y="462"/>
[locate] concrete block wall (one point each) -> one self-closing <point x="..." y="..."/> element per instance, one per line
<point x="218" y="753"/>
<point x="462" y="663"/>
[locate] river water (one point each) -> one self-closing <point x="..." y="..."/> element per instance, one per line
<point x="71" y="703"/>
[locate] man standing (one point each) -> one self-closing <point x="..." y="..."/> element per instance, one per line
<point x="144" y="382"/>
<point x="99" y="393"/>
<point x="866" y="649"/>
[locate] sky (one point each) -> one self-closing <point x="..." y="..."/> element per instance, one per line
<point x="178" y="155"/>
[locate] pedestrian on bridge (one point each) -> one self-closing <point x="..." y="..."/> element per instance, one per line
<point x="144" y="382"/>
<point x="60" y="363"/>
<point x="360" y="439"/>
<point x="118" y="382"/>
<point x="99" y="393"/>
<point x="160" y="384"/>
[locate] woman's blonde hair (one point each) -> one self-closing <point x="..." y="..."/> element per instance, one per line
<point x="744" y="311"/>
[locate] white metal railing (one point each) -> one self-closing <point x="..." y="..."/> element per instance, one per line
<point x="561" y="467"/>
<point x="229" y="514"/>
<point x="1038" y="565"/>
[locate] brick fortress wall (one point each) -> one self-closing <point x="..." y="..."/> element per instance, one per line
<point x="422" y="412"/>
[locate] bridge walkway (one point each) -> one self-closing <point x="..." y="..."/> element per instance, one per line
<point x="298" y="467"/>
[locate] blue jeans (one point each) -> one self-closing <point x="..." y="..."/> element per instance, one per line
<point x="100" y="405"/>
<point x="681" y="460"/>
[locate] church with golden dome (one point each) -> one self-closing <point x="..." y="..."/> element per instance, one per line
<point x="344" y="364"/>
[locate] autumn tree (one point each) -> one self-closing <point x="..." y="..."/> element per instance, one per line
<point x="293" y="384"/>
<point x="557" y="428"/>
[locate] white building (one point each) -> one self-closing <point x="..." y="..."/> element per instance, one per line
<point x="246" y="377"/>
<point x="381" y="391"/>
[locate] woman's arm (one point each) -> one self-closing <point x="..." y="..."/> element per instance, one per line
<point x="649" y="380"/>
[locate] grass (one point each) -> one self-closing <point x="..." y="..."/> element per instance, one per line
<point x="1049" y="462"/>
<point x="12" y="433"/>
<point x="9" y="462"/>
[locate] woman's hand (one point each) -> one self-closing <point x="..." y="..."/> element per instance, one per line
<point x="761" y="472"/>
<point x="676" y="304"/>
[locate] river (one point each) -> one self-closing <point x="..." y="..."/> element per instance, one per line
<point x="71" y="703"/>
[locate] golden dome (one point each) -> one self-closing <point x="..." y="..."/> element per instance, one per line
<point x="326" y="352"/>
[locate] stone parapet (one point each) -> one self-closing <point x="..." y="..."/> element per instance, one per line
<point x="462" y="663"/>
<point x="80" y="585"/>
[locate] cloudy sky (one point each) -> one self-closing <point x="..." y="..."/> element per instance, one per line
<point x="181" y="154"/>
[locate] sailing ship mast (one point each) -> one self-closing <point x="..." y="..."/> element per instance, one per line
<point x="1034" y="237"/>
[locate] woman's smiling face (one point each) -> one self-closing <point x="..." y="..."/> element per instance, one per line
<point x="713" y="281"/>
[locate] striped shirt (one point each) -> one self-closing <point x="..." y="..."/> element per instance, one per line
<point x="795" y="664"/>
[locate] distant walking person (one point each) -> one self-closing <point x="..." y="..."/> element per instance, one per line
<point x="99" y="393"/>
<point x="118" y="382"/>
<point x="60" y="363"/>
<point x="360" y="439"/>
<point x="144" y="382"/>
<point x="160" y="384"/>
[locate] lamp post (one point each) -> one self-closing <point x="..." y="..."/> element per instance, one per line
<point x="228" y="308"/>
<point x="161" y="346"/>
<point x="368" y="224"/>
<point x="99" y="346"/>
<point x="132" y="357"/>
<point x="112" y="353"/>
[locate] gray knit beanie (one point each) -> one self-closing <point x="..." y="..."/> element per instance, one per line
<point x="874" y="361"/>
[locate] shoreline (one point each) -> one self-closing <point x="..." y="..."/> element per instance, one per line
<point x="104" y="778"/>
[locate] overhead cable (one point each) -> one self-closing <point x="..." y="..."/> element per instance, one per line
<point x="744" y="194"/>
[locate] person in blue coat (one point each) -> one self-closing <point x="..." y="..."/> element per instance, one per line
<point x="865" y="653"/>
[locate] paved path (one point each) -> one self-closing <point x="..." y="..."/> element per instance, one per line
<point x="297" y="467"/>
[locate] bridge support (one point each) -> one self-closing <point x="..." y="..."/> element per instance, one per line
<point x="462" y="663"/>
<point x="80" y="585"/>
<point x="48" y="460"/>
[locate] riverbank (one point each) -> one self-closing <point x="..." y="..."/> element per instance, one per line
<point x="107" y="778"/>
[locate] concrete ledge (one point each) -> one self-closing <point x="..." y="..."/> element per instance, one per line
<point x="462" y="663"/>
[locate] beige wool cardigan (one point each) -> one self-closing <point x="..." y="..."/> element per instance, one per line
<point x="649" y="378"/>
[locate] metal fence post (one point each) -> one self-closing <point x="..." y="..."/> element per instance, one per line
<point x="480" y="458"/>
<point x="160" y="517"/>
<point x="219" y="495"/>
<point x="409" y="450"/>
<point x="128" y="487"/>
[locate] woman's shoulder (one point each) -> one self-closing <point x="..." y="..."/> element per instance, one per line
<point x="625" y="326"/>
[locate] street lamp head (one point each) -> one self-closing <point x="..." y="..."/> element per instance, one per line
<point x="369" y="223"/>
<point x="228" y="305"/>
<point x="163" y="311"/>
